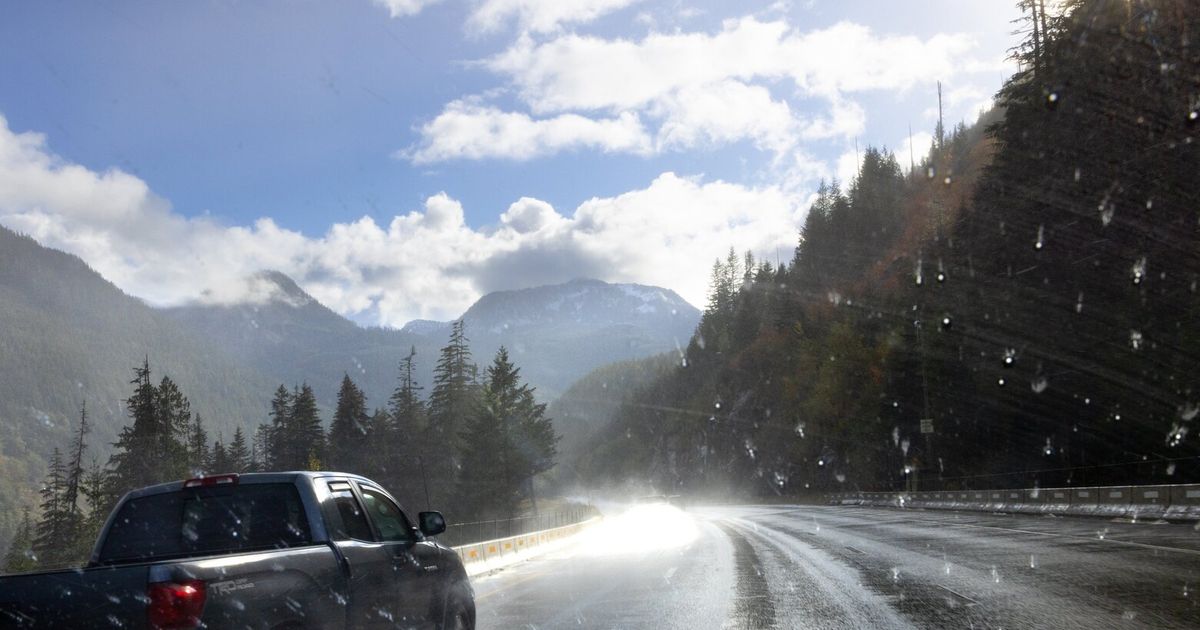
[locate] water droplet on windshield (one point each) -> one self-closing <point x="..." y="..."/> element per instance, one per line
<point x="1010" y="357"/>
<point x="1032" y="561"/>
<point x="1048" y="449"/>
<point x="946" y="322"/>
<point x="1189" y="411"/>
<point x="1000" y="381"/>
<point x="1135" y="339"/>
<point x="1138" y="272"/>
<point x="1041" y="237"/>
<point x="1175" y="437"/>
<point x="1079" y="303"/>
<point x="1039" y="384"/>
<point x="1052" y="99"/>
<point x="1107" y="209"/>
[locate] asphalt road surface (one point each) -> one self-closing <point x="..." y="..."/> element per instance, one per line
<point x="851" y="567"/>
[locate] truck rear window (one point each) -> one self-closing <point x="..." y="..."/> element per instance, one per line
<point x="205" y="521"/>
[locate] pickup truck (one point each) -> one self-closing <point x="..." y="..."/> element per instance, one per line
<point x="260" y="550"/>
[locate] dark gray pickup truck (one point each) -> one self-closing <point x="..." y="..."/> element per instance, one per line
<point x="261" y="550"/>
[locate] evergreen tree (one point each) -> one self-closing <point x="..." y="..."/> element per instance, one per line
<point x="348" y="430"/>
<point x="219" y="460"/>
<point x="153" y="449"/>
<point x="507" y="441"/>
<point x="304" y="439"/>
<point x="94" y="488"/>
<point x="238" y="453"/>
<point x="54" y="527"/>
<point x="452" y="399"/>
<point x="20" y="556"/>
<point x="404" y="437"/>
<point x="273" y="433"/>
<point x="74" y="471"/>
<point x="197" y="446"/>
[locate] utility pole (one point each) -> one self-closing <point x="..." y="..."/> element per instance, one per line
<point x="941" y="129"/>
<point x="912" y="166"/>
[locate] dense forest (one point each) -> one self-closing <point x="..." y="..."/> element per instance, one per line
<point x="471" y="449"/>
<point x="1029" y="290"/>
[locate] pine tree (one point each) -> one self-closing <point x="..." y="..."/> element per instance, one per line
<point x="93" y="487"/>
<point x="75" y="466"/>
<point x="348" y="430"/>
<point x="153" y="449"/>
<point x="403" y="438"/>
<point x="405" y="406"/>
<point x="238" y="454"/>
<point x="452" y="399"/>
<point x="54" y="526"/>
<point x="507" y="441"/>
<point x="219" y="462"/>
<point x="197" y="446"/>
<point x="304" y="438"/>
<point x="273" y="433"/>
<point x="174" y="413"/>
<point x="20" y="556"/>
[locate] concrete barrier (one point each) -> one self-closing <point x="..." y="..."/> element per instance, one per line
<point x="1185" y="502"/>
<point x="1177" y="502"/>
<point x="1150" y="501"/>
<point x="1084" y="501"/>
<point x="1114" y="501"/>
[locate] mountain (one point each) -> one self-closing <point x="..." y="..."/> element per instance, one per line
<point x="68" y="337"/>
<point x="555" y="334"/>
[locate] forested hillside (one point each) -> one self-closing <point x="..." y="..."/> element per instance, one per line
<point x="69" y="337"/>
<point x="1031" y="289"/>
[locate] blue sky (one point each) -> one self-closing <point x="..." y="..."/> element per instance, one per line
<point x="401" y="157"/>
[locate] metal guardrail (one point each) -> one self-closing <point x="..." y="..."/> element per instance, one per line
<point x="1178" y="501"/>
<point x="513" y="547"/>
<point x="458" y="534"/>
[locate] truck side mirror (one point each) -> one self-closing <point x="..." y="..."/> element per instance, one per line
<point x="432" y="523"/>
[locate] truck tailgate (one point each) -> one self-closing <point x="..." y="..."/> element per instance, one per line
<point x="103" y="597"/>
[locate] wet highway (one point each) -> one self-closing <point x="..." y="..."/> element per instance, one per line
<point x="852" y="567"/>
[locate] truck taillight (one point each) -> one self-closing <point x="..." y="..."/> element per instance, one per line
<point x="176" y="604"/>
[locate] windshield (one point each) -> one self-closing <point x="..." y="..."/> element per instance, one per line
<point x="650" y="313"/>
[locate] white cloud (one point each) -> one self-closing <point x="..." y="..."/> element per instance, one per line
<point x="700" y="89"/>
<point x="576" y="72"/>
<point x="540" y="16"/>
<point x="404" y="8"/>
<point x="914" y="149"/>
<point x="724" y="113"/>
<point x="467" y="130"/>
<point x="423" y="263"/>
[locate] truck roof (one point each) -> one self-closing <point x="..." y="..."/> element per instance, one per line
<point x="256" y="477"/>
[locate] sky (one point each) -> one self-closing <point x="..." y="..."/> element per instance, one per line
<point x="401" y="158"/>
